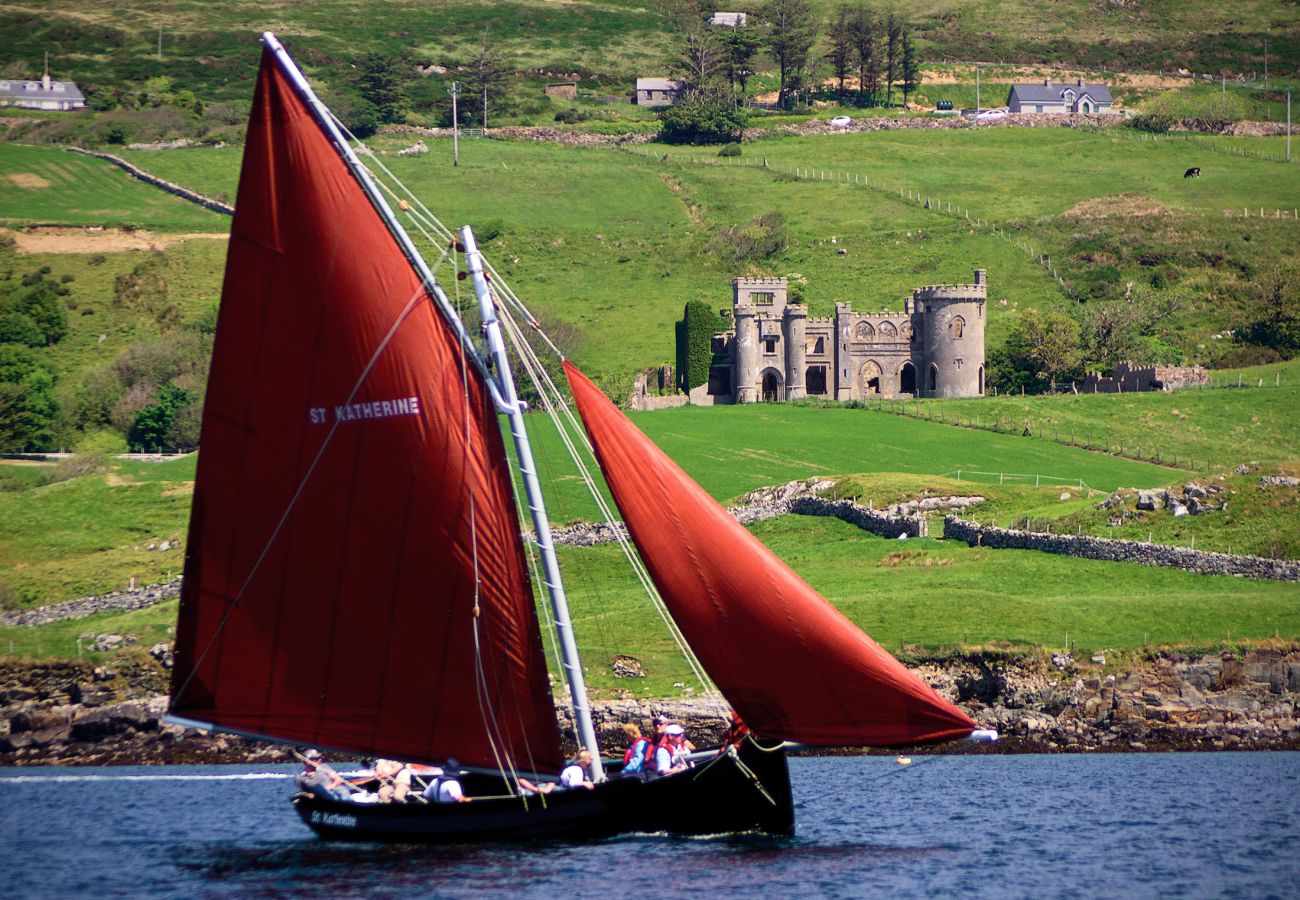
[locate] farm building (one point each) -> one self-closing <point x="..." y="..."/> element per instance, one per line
<point x="562" y="90"/>
<point x="1059" y="98"/>
<point x="656" y="91"/>
<point x="43" y="94"/>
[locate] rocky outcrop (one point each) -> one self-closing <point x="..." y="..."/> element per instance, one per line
<point x="1114" y="550"/>
<point x="78" y="713"/>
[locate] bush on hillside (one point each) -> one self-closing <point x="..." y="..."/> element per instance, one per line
<point x="1197" y="111"/>
<point x="763" y="237"/>
<point x="28" y="404"/>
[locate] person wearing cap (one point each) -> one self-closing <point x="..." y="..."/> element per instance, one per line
<point x="319" y="779"/>
<point x="578" y="773"/>
<point x="445" y="787"/>
<point x="671" y="755"/>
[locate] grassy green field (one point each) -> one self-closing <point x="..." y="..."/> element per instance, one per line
<point x="43" y="186"/>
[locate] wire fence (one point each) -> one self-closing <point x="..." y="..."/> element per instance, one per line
<point x="1036" y="480"/>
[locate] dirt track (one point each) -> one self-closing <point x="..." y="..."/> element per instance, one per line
<point x="96" y="240"/>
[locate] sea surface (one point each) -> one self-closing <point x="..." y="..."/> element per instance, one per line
<point x="1123" y="825"/>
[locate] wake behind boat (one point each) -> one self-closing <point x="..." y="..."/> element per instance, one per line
<point x="354" y="480"/>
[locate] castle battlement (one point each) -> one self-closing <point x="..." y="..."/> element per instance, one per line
<point x="971" y="292"/>
<point x="760" y="282"/>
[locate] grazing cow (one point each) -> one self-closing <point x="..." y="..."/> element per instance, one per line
<point x="1193" y="172"/>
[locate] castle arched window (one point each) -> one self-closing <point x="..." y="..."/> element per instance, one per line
<point x="905" y="331"/>
<point x="871" y="377"/>
<point x="957" y="327"/>
<point x="888" y="331"/>
<point x="864" y="332"/>
<point x="907" y="378"/>
<point x="932" y="384"/>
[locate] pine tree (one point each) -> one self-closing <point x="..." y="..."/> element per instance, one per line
<point x="893" y="53"/>
<point x="488" y="78"/>
<point x="911" y="71"/>
<point x="840" y="54"/>
<point x="791" y="32"/>
<point x="865" y="31"/>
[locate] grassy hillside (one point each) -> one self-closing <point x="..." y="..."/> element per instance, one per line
<point x="43" y="186"/>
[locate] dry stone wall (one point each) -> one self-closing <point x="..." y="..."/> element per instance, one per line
<point x="1113" y="550"/>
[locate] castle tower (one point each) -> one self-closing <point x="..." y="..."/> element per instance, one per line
<point x="746" y="354"/>
<point x="951" y="320"/>
<point x="794" y="326"/>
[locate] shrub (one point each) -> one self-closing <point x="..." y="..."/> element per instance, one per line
<point x="571" y="116"/>
<point x="699" y="323"/>
<point x="730" y="150"/>
<point x="703" y="119"/>
<point x="763" y="237"/>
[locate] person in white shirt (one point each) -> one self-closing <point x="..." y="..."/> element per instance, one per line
<point x="446" y="787"/>
<point x="671" y="755"/>
<point x="578" y="773"/>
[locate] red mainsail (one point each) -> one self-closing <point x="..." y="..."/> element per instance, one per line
<point x="792" y="665"/>
<point x="355" y="575"/>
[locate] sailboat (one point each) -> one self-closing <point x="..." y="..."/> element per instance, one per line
<point x="357" y="576"/>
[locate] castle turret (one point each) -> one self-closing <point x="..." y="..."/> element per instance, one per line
<point x="951" y="319"/>
<point x="794" y="326"/>
<point x="746" y="354"/>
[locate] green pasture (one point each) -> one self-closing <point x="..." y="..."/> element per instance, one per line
<point x="45" y="186"/>
<point x="1001" y="173"/>
<point x="730" y="450"/>
<point x="1210" y="429"/>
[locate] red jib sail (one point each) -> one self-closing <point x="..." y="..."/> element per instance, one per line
<point x="792" y="665"/>
<point x="355" y="575"/>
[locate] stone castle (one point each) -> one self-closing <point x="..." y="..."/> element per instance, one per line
<point x="775" y="351"/>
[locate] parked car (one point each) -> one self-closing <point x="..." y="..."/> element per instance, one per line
<point x="991" y="115"/>
<point x="841" y="122"/>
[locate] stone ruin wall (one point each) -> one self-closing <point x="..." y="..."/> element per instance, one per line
<point x="1113" y="550"/>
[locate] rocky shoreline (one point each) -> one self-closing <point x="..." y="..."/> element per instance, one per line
<point x="79" y="713"/>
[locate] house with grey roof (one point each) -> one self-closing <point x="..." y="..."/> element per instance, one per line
<point x="729" y="19"/>
<point x="656" y="91"/>
<point x="43" y="94"/>
<point x="1060" y="98"/>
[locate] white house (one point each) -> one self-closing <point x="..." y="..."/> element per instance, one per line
<point x="730" y="19"/>
<point x="656" y="91"/>
<point x="43" y="94"/>
<point x="1059" y="98"/>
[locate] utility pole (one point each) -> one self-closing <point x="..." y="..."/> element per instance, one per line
<point x="977" y="96"/>
<point x="160" y="39"/>
<point x="485" y="106"/>
<point x="1266" y="65"/>
<point x="454" y="90"/>
<point x="1288" y="123"/>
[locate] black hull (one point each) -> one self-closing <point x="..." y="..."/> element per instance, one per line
<point x="748" y="792"/>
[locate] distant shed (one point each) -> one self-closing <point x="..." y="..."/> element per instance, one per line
<point x="562" y="90"/>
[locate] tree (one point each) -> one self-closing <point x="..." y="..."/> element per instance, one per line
<point x="695" y="331"/>
<point x="893" y="54"/>
<point x="708" y="117"/>
<point x="1121" y="330"/>
<point x="866" y="53"/>
<point x="1275" y="314"/>
<point x="153" y="423"/>
<point x="380" y="84"/>
<point x="1047" y="341"/>
<point x="699" y="64"/>
<point x="791" y="30"/>
<point x="739" y="47"/>
<point x="911" y="72"/>
<point x="28" y="405"/>
<point x="840" y="53"/>
<point x="488" y="77"/>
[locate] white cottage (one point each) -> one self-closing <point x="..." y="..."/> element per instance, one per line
<point x="1060" y="98"/>
<point x="43" y="94"/>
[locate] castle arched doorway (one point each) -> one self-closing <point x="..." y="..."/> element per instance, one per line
<point x="981" y="381"/>
<point x="771" y="386"/>
<point x="932" y="383"/>
<point x="870" y="377"/>
<point x="907" y="379"/>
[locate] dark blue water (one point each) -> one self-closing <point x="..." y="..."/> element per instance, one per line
<point x="1195" y="825"/>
